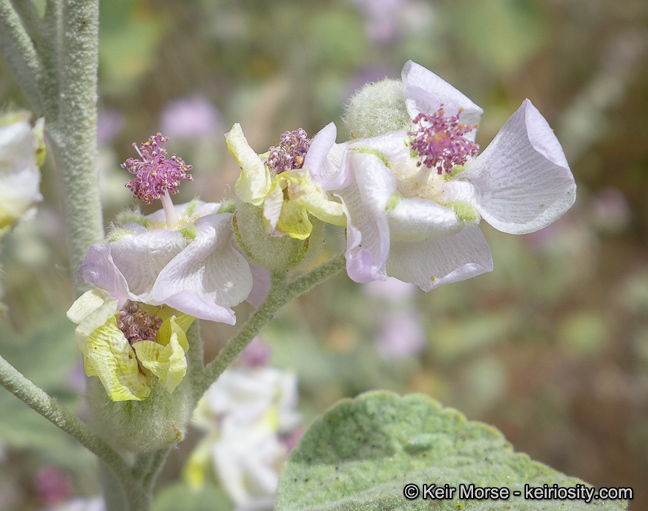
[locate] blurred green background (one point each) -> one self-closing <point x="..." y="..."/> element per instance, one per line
<point x="552" y="347"/>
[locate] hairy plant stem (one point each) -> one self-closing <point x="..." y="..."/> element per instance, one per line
<point x="74" y="133"/>
<point x="281" y="293"/>
<point x="20" y="53"/>
<point x="60" y="416"/>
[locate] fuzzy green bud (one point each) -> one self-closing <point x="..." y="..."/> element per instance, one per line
<point x="376" y="109"/>
<point x="275" y="253"/>
<point x="158" y="421"/>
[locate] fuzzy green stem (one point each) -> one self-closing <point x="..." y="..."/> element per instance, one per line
<point x="74" y="134"/>
<point x="113" y="490"/>
<point x="44" y="33"/>
<point x="154" y="468"/>
<point x="195" y="355"/>
<point x="57" y="414"/>
<point x="280" y="294"/>
<point x="20" y="53"/>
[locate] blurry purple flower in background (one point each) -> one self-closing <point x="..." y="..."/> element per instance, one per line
<point x="190" y="117"/>
<point x="387" y="20"/>
<point x="381" y="18"/>
<point x="401" y="335"/>
<point x="256" y="354"/>
<point x="611" y="212"/>
<point x="52" y="485"/>
<point x="109" y="124"/>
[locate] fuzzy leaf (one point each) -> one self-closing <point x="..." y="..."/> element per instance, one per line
<point x="362" y="452"/>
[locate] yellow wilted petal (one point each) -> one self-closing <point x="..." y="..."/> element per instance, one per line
<point x="273" y="204"/>
<point x="310" y="195"/>
<point x="113" y="360"/>
<point x="89" y="370"/>
<point x="294" y="220"/>
<point x="183" y="321"/>
<point x="90" y="311"/>
<point x="253" y="183"/>
<point x="166" y="361"/>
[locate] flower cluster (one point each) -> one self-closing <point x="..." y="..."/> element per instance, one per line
<point x="411" y="193"/>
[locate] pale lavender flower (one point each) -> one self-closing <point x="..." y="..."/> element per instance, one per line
<point x="189" y="118"/>
<point x="194" y="269"/>
<point x="182" y="256"/>
<point x="413" y="198"/>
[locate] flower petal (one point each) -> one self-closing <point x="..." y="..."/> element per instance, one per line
<point x="261" y="285"/>
<point x="367" y="228"/>
<point x="140" y="258"/>
<point x="320" y="147"/>
<point x="195" y="305"/>
<point x="208" y="268"/>
<point x="90" y="311"/>
<point x="98" y="268"/>
<point x="303" y="190"/>
<point x="113" y="360"/>
<point x="421" y="219"/>
<point x="522" y="179"/>
<point x="425" y="92"/>
<point x="324" y="160"/>
<point x="294" y="220"/>
<point x="166" y="360"/>
<point x="254" y="182"/>
<point x="272" y="204"/>
<point x="428" y="264"/>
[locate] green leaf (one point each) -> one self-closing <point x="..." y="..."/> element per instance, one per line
<point x="180" y="496"/>
<point x="362" y="452"/>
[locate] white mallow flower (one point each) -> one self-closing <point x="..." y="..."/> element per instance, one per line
<point x="414" y="197"/>
<point x="245" y="413"/>
<point x="248" y="463"/>
<point x="246" y="396"/>
<point x="22" y="151"/>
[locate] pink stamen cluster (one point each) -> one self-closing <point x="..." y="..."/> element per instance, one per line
<point x="154" y="174"/>
<point x="137" y="325"/>
<point x="439" y="141"/>
<point x="290" y="153"/>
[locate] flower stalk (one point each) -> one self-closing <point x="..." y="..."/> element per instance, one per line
<point x="281" y="293"/>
